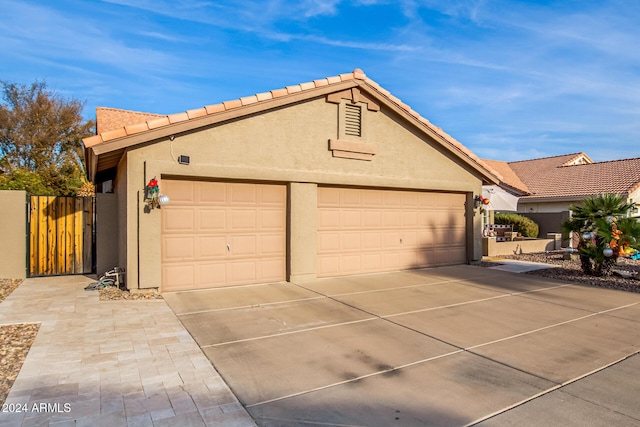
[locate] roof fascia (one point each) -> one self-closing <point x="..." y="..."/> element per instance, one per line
<point x="212" y="119"/>
<point x="386" y="100"/>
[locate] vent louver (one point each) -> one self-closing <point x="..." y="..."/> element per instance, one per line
<point x="353" y="120"/>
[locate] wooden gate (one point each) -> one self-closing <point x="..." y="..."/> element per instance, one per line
<point x="60" y="235"/>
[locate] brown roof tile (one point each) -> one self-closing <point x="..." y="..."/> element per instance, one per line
<point x="113" y="118"/>
<point x="509" y="177"/>
<point x="549" y="177"/>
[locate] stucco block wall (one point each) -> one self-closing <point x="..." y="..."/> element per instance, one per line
<point x="13" y="234"/>
<point x="287" y="145"/>
<point x="107" y="242"/>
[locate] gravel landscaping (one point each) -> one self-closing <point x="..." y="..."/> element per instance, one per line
<point x="569" y="270"/>
<point x="15" y="342"/>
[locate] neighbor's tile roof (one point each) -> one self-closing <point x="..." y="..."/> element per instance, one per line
<point x="509" y="177"/>
<point x="557" y="177"/>
<point x="113" y="118"/>
<point x="129" y="127"/>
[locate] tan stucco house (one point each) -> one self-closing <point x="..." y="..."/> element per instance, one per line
<point x="327" y="178"/>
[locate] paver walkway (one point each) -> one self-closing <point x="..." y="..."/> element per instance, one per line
<point x="111" y="363"/>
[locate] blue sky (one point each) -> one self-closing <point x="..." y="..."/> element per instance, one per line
<point x="511" y="80"/>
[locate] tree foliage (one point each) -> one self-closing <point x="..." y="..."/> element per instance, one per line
<point x="601" y="223"/>
<point x="40" y="140"/>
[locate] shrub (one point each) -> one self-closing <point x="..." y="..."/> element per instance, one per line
<point x="521" y="224"/>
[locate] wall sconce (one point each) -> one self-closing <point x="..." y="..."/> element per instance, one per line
<point x="480" y="201"/>
<point x="152" y="195"/>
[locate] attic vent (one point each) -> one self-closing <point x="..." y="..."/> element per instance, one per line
<point x="353" y="120"/>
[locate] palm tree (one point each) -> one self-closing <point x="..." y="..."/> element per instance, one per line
<point x="603" y="230"/>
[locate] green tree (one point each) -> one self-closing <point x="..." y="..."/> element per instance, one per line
<point x="41" y="140"/>
<point x="603" y="229"/>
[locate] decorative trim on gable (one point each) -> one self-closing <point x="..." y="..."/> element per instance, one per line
<point x="352" y="150"/>
<point x="354" y="95"/>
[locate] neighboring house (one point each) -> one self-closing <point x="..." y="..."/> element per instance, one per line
<point x="326" y="178"/>
<point x="547" y="187"/>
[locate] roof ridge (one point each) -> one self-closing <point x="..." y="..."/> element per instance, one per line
<point x="549" y="157"/>
<point x="128" y="111"/>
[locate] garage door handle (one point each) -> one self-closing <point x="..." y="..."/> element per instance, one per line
<point x="228" y="247"/>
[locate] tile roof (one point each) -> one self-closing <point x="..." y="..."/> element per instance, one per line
<point x="560" y="177"/>
<point x="116" y="132"/>
<point x="509" y="177"/>
<point x="108" y="119"/>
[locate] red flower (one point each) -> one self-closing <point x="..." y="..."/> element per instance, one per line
<point x="152" y="183"/>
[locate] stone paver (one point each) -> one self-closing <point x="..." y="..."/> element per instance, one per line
<point x="110" y="363"/>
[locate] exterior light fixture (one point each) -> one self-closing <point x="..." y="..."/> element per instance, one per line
<point x="479" y="201"/>
<point x="152" y="195"/>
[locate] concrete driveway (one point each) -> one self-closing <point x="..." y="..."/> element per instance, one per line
<point x="452" y="346"/>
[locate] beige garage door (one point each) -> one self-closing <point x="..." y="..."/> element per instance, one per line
<point x="221" y="233"/>
<point x="364" y="231"/>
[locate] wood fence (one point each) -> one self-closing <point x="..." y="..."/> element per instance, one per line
<point x="61" y="235"/>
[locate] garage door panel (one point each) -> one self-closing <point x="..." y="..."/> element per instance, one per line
<point x="223" y="234"/>
<point x="271" y="270"/>
<point x="271" y="219"/>
<point x="392" y="219"/>
<point x="351" y="219"/>
<point x="243" y="246"/>
<point x="371" y="219"/>
<point x="391" y="261"/>
<point x="212" y="220"/>
<point x="272" y="245"/>
<point x="178" y="276"/>
<point x="242" y="272"/>
<point x="410" y="219"/>
<point x="328" y="197"/>
<point x="372" y="199"/>
<point x="351" y="264"/>
<point x="349" y="198"/>
<point x="177" y="248"/>
<point x="372" y="262"/>
<point x="397" y="229"/>
<point x="328" y="265"/>
<point x="271" y="195"/>
<point x="180" y="191"/>
<point x="329" y="242"/>
<point x="211" y="193"/>
<point x="210" y="274"/>
<point x="329" y="219"/>
<point x="391" y="199"/>
<point x="242" y="220"/>
<point x="212" y="247"/>
<point x="410" y="239"/>
<point x="242" y="194"/>
<point x="409" y="199"/>
<point x="351" y="241"/>
<point x="391" y="239"/>
<point x="178" y="220"/>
